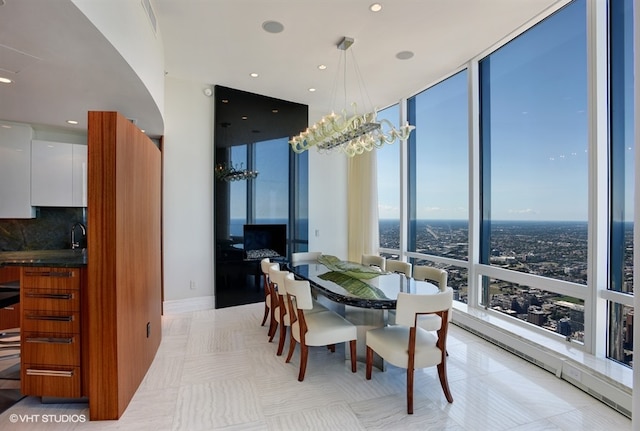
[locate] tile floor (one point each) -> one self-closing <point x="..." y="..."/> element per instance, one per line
<point x="216" y="370"/>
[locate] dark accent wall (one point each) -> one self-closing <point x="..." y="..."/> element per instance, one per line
<point x="50" y="230"/>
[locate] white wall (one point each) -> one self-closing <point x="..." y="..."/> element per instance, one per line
<point x="127" y="27"/>
<point x="328" y="203"/>
<point x="188" y="191"/>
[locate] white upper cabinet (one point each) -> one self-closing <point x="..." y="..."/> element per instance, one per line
<point x="58" y="174"/>
<point x="15" y="171"/>
<point x="79" y="176"/>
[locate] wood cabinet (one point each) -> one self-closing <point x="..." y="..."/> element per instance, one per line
<point x="52" y="346"/>
<point x="58" y="174"/>
<point x="15" y="171"/>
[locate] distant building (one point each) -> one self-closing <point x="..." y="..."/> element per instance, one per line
<point x="537" y="317"/>
<point x="564" y="326"/>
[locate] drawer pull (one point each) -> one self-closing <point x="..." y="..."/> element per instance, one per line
<point x="59" y="274"/>
<point x="49" y="295"/>
<point x="51" y="318"/>
<point x="49" y="373"/>
<point x="49" y="340"/>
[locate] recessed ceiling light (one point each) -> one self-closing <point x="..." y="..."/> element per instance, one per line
<point x="254" y="75"/>
<point x="376" y="7"/>
<point x="404" y="55"/>
<point x="322" y="66"/>
<point x="5" y="80"/>
<point x="244" y="117"/>
<point x="312" y="89"/>
<point x="225" y="100"/>
<point x="272" y="27"/>
<point x="72" y="122"/>
<point x="275" y="111"/>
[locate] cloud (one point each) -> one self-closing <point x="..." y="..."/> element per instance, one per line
<point x="523" y="211"/>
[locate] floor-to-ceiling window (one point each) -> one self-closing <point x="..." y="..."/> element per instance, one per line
<point x="388" y="165"/>
<point x="438" y="167"/>
<point x="527" y="135"/>
<point x="534" y="140"/>
<point x="621" y="45"/>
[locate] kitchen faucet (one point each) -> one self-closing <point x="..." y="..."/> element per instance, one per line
<point x="76" y="244"/>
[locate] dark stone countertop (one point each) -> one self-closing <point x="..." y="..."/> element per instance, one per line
<point x="65" y="258"/>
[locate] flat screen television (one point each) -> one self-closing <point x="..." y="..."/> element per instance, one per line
<point x="265" y="240"/>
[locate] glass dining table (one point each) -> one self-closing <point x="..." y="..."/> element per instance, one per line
<point x="357" y="285"/>
<point x="363" y="295"/>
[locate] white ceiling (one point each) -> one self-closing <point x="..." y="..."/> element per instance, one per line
<point x="63" y="67"/>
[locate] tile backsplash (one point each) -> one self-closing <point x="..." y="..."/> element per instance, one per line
<point x="50" y="230"/>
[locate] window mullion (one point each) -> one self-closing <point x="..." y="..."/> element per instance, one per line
<point x="598" y="150"/>
<point x="473" y="279"/>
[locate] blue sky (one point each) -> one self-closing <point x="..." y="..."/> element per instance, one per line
<point x="538" y="131"/>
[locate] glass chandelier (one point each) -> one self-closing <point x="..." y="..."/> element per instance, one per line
<point x="224" y="172"/>
<point x="353" y="134"/>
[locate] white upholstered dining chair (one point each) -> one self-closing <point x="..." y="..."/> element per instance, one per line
<point x="264" y="268"/>
<point x="406" y="345"/>
<point x="430" y="273"/>
<point x="283" y="314"/>
<point x="304" y="256"/>
<point x="440" y="277"/>
<point x="399" y="267"/>
<point x="374" y="260"/>
<point x="323" y="328"/>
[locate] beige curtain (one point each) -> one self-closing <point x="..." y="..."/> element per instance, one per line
<point x="362" y="206"/>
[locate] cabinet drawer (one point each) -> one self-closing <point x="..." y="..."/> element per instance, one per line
<point x="51" y="321"/>
<point x="42" y="380"/>
<point x="43" y="348"/>
<point x="46" y="278"/>
<point x="50" y="299"/>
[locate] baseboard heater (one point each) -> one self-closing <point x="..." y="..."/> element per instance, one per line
<point x="599" y="386"/>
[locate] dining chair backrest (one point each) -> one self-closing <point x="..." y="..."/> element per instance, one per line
<point x="264" y="265"/>
<point x="399" y="267"/>
<point x="305" y="256"/>
<point x="374" y="260"/>
<point x="277" y="278"/>
<point x="301" y="290"/>
<point x="430" y="273"/>
<point x="408" y="305"/>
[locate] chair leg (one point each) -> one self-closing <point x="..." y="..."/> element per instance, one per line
<point x="369" y="362"/>
<point x="442" y="374"/>
<point x="266" y="313"/>
<point x="304" y="353"/>
<point x="292" y="347"/>
<point x="273" y="327"/>
<point x="283" y="333"/>
<point x="332" y="348"/>
<point x="266" y="297"/>
<point x="352" y="348"/>
<point x="410" y="391"/>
